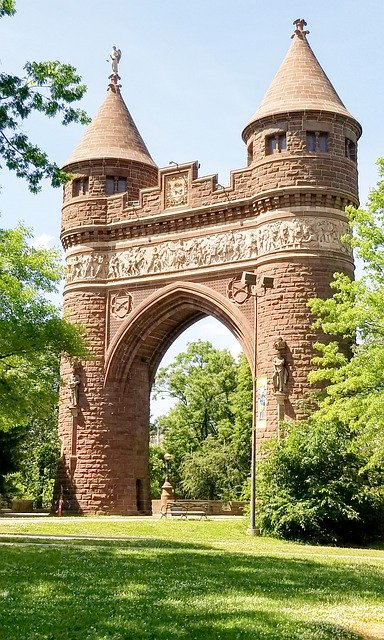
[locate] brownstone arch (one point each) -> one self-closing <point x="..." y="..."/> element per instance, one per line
<point x="150" y="251"/>
<point x="150" y="330"/>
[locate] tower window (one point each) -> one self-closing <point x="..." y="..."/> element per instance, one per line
<point x="317" y="141"/>
<point x="80" y="187"/>
<point x="115" y="184"/>
<point x="350" y="149"/>
<point x="250" y="152"/>
<point x="276" y="143"/>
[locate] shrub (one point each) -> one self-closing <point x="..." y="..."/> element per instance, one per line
<point x="315" y="486"/>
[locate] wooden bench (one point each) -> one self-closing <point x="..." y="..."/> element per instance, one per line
<point x="183" y="509"/>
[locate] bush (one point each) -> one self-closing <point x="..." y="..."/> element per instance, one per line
<point x="314" y="486"/>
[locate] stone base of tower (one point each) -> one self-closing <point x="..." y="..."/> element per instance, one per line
<point x="104" y="462"/>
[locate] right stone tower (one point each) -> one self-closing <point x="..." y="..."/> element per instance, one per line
<point x="302" y="148"/>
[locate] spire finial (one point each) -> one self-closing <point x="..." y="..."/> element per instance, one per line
<point x="299" y="31"/>
<point x="115" y="59"/>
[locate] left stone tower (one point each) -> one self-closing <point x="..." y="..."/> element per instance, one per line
<point x="103" y="467"/>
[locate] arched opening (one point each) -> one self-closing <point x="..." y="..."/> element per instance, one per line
<point x="131" y="364"/>
<point x="200" y="425"/>
<point x="162" y="317"/>
<point x="207" y="329"/>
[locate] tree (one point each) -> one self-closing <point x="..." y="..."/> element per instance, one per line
<point x="211" y="472"/>
<point x="156" y="469"/>
<point x="32" y="333"/>
<point x="49" y="88"/>
<point x="208" y="430"/>
<point x="326" y="481"/>
<point x="354" y="391"/>
<point x="314" y="486"/>
<point x="34" y="461"/>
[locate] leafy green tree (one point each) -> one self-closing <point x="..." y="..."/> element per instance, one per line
<point x="156" y="469"/>
<point x="208" y="430"/>
<point x="29" y="457"/>
<point x="314" y="486"/>
<point x="354" y="391"/>
<point x="211" y="472"/>
<point x="325" y="482"/>
<point x="32" y="333"/>
<point x="202" y="380"/>
<point x="9" y="457"/>
<point x="240" y="436"/>
<point x="49" y="88"/>
<point x="35" y="461"/>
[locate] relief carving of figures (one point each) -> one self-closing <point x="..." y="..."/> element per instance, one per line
<point x="85" y="267"/>
<point x="220" y="248"/>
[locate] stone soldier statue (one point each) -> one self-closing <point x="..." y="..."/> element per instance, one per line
<point x="280" y="369"/>
<point x="74" y="384"/>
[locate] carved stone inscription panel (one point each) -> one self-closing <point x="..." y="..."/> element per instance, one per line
<point x="221" y="248"/>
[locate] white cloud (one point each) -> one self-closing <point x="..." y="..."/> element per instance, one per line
<point x="43" y="241"/>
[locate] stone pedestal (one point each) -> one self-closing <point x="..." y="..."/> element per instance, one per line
<point x="280" y="401"/>
<point x="167" y="494"/>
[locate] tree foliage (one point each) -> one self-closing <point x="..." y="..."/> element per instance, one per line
<point x="207" y="431"/>
<point x="354" y="392"/>
<point x="314" y="486"/>
<point x="48" y="88"/>
<point x="34" y="461"/>
<point x="32" y="333"/>
<point x="326" y="481"/>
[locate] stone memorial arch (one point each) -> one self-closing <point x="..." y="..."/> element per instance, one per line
<point x="150" y="251"/>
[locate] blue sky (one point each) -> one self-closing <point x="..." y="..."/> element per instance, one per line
<point x="192" y="74"/>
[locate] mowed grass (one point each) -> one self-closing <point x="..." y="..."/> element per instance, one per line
<point x="193" y="580"/>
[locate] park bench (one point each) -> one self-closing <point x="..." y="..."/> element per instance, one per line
<point x="183" y="509"/>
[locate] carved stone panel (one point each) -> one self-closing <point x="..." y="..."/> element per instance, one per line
<point x="176" y="190"/>
<point x="121" y="304"/>
<point x="232" y="246"/>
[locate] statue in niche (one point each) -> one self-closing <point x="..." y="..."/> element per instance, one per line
<point x="74" y="384"/>
<point x="280" y="369"/>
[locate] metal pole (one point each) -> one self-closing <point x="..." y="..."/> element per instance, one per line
<point x="252" y="519"/>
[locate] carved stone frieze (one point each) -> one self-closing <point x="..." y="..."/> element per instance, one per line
<point x="221" y="248"/>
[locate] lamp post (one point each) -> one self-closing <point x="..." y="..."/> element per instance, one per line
<point x="167" y="458"/>
<point x="249" y="279"/>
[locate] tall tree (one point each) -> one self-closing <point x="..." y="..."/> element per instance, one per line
<point x="49" y="88"/>
<point x="354" y="391"/>
<point x="32" y="333"/>
<point x="325" y="482"/>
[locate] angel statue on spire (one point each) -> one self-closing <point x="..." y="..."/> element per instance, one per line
<point x="115" y="59"/>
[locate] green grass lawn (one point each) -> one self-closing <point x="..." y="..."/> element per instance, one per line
<point x="172" y="579"/>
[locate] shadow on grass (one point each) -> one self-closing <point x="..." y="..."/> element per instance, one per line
<point x="87" y="541"/>
<point x="157" y="592"/>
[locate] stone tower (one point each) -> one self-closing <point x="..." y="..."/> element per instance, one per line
<point x="150" y="251"/>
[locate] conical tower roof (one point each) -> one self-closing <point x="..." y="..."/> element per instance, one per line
<point x="300" y="84"/>
<point x="112" y="134"/>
